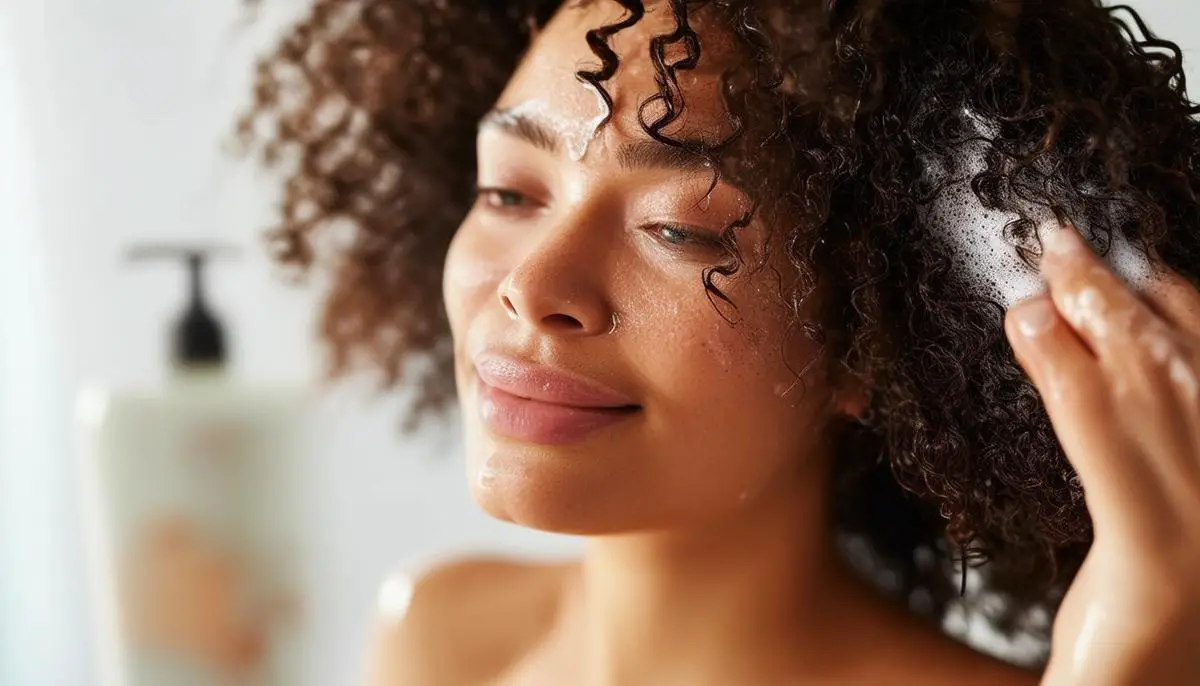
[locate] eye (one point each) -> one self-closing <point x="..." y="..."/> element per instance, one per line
<point x="673" y="234"/>
<point x="680" y="237"/>
<point x="501" y="198"/>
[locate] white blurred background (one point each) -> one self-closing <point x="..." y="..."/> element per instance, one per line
<point x="111" y="119"/>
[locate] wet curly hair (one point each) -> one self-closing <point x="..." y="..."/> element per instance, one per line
<point x="369" y="108"/>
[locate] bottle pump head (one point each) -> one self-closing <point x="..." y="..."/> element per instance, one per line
<point x="198" y="338"/>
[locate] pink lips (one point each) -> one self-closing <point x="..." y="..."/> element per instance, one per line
<point x="536" y="404"/>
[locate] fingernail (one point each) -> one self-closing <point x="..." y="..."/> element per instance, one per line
<point x="1063" y="240"/>
<point x="1035" y="316"/>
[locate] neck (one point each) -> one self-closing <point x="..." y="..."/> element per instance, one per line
<point x="760" y="585"/>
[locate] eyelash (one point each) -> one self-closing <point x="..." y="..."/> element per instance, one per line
<point x="689" y="238"/>
<point x="697" y="238"/>
<point x="488" y="195"/>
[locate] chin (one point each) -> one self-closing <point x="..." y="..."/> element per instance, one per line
<point x="565" y="490"/>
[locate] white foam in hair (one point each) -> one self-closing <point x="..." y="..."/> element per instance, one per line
<point x="988" y="260"/>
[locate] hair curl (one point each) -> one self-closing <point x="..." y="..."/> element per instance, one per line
<point x="370" y="107"/>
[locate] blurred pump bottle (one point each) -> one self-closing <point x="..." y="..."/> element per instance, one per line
<point x="194" y="499"/>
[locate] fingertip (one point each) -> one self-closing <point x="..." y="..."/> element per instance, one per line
<point x="1064" y="251"/>
<point x="1064" y="241"/>
<point x="1023" y="324"/>
<point x="1032" y="318"/>
<point x="1043" y="342"/>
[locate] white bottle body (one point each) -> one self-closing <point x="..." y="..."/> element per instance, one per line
<point x="194" y="509"/>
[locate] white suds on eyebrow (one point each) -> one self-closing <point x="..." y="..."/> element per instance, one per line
<point x="988" y="261"/>
<point x="589" y="129"/>
<point x="575" y="135"/>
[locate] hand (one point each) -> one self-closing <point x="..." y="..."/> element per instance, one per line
<point x="1120" y="378"/>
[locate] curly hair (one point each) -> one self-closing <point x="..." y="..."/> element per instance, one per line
<point x="370" y="107"/>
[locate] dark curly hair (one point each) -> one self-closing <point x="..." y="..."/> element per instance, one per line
<point x="370" y="108"/>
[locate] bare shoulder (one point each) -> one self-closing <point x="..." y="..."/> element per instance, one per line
<point x="461" y="621"/>
<point x="900" y="649"/>
<point x="936" y="659"/>
<point x="964" y="665"/>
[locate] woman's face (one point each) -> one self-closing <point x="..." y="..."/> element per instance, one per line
<point x="601" y="389"/>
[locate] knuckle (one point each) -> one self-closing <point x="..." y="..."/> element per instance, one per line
<point x="1156" y="344"/>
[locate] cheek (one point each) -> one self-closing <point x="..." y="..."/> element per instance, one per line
<point x="727" y="427"/>
<point x="707" y="365"/>
<point x="730" y="391"/>
<point x="470" y="280"/>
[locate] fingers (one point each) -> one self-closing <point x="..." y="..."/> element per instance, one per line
<point x="1079" y="402"/>
<point x="1050" y="351"/>
<point x="1093" y="299"/>
<point x="1140" y="349"/>
<point x="1149" y="347"/>
<point x="1177" y="301"/>
<point x="1142" y="382"/>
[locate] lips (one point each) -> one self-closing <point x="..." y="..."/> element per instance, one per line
<point x="537" y="404"/>
<point x="547" y="385"/>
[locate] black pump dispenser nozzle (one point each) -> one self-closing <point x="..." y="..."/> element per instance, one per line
<point x="198" y="339"/>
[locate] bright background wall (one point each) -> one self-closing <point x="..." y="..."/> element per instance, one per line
<point x="110" y="118"/>
<point x="111" y="115"/>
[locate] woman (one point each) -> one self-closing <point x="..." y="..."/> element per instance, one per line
<point x="708" y="302"/>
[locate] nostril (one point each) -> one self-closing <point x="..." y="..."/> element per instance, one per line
<point x="509" y="307"/>
<point x="562" y="321"/>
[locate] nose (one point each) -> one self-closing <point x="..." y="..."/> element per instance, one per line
<point x="559" y="288"/>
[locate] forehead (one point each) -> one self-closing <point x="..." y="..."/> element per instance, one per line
<point x="548" y="73"/>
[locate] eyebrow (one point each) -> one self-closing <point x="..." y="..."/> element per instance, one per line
<point x="640" y="154"/>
